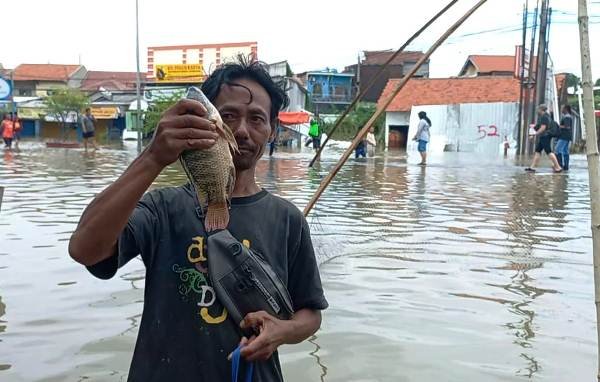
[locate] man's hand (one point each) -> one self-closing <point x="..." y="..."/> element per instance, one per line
<point x="272" y="334"/>
<point x="182" y="127"/>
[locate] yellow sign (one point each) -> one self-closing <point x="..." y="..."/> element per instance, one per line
<point x="30" y="113"/>
<point x="179" y="73"/>
<point x="111" y="112"/>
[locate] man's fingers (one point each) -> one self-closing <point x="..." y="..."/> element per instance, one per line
<point x="189" y="121"/>
<point x="252" y="320"/>
<point x="255" y="346"/>
<point x="186" y="106"/>
<point x="191" y="133"/>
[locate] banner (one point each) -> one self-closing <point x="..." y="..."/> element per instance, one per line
<point x="30" y="113"/>
<point x="179" y="73"/>
<point x="110" y="112"/>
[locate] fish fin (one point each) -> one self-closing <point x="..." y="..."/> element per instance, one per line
<point x="217" y="216"/>
<point x="228" y="135"/>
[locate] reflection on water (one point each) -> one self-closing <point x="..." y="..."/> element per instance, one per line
<point x="462" y="270"/>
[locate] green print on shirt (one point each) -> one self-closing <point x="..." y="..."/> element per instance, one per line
<point x="194" y="281"/>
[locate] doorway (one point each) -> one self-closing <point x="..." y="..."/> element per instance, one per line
<point x="398" y="138"/>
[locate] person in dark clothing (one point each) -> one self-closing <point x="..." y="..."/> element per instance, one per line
<point x="360" y="150"/>
<point x="185" y="333"/>
<point x="564" y="137"/>
<point x="544" y="140"/>
<point x="273" y="142"/>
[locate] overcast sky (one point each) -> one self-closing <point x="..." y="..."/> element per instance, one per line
<point x="310" y="34"/>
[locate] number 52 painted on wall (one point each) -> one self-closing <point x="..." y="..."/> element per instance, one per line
<point x="487" y="131"/>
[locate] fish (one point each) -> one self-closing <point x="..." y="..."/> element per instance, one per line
<point x="211" y="171"/>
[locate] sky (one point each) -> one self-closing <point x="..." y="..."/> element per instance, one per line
<point x="310" y="34"/>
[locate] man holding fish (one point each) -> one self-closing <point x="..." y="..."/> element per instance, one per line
<point x="186" y="334"/>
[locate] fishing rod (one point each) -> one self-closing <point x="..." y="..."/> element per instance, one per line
<point x="364" y="91"/>
<point x="382" y="106"/>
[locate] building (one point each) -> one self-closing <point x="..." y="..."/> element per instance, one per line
<point x="489" y="65"/>
<point x="40" y="79"/>
<point x="329" y="92"/>
<point x="111" y="81"/>
<point x="372" y="63"/>
<point x="192" y="63"/>
<point x="282" y="74"/>
<point x="467" y="114"/>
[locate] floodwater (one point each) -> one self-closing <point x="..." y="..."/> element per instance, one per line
<point x="467" y="270"/>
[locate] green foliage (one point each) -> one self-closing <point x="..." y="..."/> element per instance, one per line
<point x="157" y="108"/>
<point x="597" y="82"/>
<point x="63" y="102"/>
<point x="573" y="81"/>
<point x="355" y="120"/>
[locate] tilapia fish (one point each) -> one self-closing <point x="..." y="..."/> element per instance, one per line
<point x="211" y="171"/>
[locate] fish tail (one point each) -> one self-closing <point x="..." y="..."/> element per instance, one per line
<point x="217" y="216"/>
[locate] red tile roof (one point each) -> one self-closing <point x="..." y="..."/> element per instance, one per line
<point x="44" y="72"/>
<point x="379" y="57"/>
<point x="489" y="63"/>
<point x="448" y="91"/>
<point x="109" y="80"/>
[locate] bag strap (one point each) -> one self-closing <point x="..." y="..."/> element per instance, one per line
<point x="235" y="366"/>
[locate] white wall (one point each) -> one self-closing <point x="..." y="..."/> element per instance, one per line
<point x="230" y="54"/>
<point x="479" y="128"/>
<point x="395" y="118"/>
<point x="164" y="57"/>
<point x="209" y="60"/>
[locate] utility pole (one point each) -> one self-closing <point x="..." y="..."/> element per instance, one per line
<point x="542" y="64"/>
<point x="12" y="92"/>
<point x="138" y="114"/>
<point x="593" y="157"/>
<point x="529" y="108"/>
<point x="522" y="132"/>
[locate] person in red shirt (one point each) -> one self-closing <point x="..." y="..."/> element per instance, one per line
<point x="8" y="131"/>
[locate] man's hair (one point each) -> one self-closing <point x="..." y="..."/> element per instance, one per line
<point x="87" y="109"/>
<point x="244" y="68"/>
<point x="543" y="107"/>
<point x="568" y="109"/>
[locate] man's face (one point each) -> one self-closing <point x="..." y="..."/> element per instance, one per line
<point x="540" y="112"/>
<point x="245" y="108"/>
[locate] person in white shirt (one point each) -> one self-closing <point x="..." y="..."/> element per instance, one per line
<point x="371" y="142"/>
<point x="422" y="136"/>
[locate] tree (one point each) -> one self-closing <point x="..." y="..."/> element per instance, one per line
<point x="597" y="82"/>
<point x="157" y="108"/>
<point x="573" y="81"/>
<point x="355" y="120"/>
<point x="63" y="103"/>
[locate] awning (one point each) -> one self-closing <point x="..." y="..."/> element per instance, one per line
<point x="293" y="118"/>
<point x="597" y="113"/>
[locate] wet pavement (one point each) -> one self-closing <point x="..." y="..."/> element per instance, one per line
<point x="467" y="269"/>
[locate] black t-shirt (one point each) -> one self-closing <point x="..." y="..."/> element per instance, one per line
<point x="544" y="120"/>
<point x="566" y="129"/>
<point x="185" y="334"/>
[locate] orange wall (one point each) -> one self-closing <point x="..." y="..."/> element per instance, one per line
<point x="52" y="130"/>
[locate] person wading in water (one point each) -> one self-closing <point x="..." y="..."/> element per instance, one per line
<point x="185" y="333"/>
<point x="422" y="136"/>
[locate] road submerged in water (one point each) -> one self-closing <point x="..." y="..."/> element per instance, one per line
<point x="467" y="269"/>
